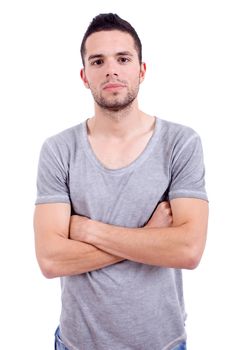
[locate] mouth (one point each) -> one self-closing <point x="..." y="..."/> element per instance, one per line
<point x="113" y="86"/>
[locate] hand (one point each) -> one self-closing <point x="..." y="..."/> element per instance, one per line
<point x="162" y="217"/>
<point x="79" y="227"/>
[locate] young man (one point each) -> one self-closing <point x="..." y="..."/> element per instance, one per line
<point x="121" y="208"/>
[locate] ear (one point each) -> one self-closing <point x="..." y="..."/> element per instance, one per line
<point x="84" y="78"/>
<point x="142" y="71"/>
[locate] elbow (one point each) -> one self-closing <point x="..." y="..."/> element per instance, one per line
<point x="193" y="258"/>
<point x="194" y="249"/>
<point x="47" y="268"/>
<point x="191" y="263"/>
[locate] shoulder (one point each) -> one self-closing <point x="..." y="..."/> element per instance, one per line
<point x="177" y="136"/>
<point x="67" y="136"/>
<point x="66" y="140"/>
<point x="176" y="130"/>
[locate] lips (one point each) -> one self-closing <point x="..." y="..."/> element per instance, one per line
<point x="113" y="86"/>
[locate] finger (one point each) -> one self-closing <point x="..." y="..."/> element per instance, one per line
<point x="163" y="204"/>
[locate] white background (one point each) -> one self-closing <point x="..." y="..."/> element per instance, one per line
<point x="187" y="46"/>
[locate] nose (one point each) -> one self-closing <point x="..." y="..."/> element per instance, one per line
<point x="109" y="75"/>
<point x="111" y="70"/>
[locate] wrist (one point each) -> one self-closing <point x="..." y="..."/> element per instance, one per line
<point x="72" y="228"/>
<point x="80" y="228"/>
<point x="93" y="231"/>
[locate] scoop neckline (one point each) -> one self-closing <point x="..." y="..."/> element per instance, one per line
<point x="132" y="165"/>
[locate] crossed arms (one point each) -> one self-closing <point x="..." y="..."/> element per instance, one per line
<point x="175" y="236"/>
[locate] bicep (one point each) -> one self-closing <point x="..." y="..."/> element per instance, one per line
<point x="193" y="213"/>
<point x="189" y="210"/>
<point x="51" y="223"/>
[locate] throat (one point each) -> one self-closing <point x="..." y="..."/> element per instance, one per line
<point x="113" y="153"/>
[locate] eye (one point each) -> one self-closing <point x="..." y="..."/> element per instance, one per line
<point x="97" y="62"/>
<point x="124" y="59"/>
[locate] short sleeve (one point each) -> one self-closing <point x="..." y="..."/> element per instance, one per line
<point x="188" y="171"/>
<point x="52" y="176"/>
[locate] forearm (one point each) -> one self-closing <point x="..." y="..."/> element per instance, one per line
<point x="168" y="247"/>
<point x="73" y="258"/>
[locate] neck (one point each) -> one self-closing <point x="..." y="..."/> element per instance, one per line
<point x="119" y="125"/>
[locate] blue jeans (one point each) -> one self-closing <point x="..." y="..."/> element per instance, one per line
<point x="182" y="346"/>
<point x="60" y="346"/>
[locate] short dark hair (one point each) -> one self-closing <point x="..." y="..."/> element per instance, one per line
<point x="107" y="22"/>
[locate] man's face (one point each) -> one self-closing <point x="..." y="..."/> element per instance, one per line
<point x="112" y="69"/>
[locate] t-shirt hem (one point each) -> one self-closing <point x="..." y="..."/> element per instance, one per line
<point x="187" y="194"/>
<point x="175" y="342"/>
<point x="52" y="199"/>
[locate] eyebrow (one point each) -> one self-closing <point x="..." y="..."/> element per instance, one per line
<point x="122" y="53"/>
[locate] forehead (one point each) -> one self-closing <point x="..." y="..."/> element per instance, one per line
<point x="109" y="42"/>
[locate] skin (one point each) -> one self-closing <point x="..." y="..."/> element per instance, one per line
<point x="175" y="236"/>
<point x="59" y="255"/>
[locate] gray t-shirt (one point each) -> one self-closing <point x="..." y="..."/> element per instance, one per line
<point x="128" y="305"/>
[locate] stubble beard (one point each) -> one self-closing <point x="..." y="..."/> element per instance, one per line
<point x="115" y="103"/>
